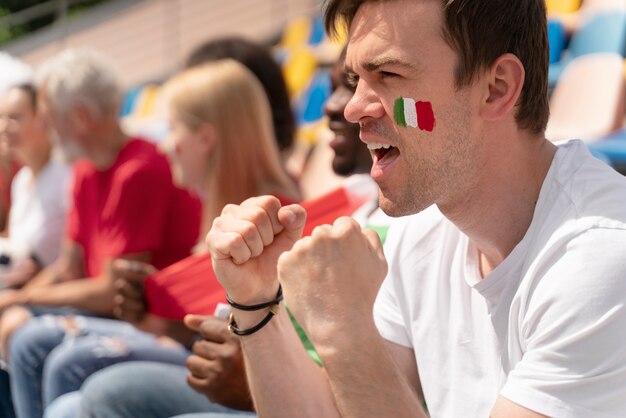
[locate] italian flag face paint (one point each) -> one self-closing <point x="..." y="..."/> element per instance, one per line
<point x="409" y="113"/>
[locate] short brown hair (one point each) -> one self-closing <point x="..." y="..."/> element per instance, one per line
<point x="480" y="32"/>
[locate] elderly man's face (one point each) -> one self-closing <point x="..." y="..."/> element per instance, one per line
<point x="397" y="51"/>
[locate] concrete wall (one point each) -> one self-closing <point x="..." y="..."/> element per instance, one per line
<point x="148" y="39"/>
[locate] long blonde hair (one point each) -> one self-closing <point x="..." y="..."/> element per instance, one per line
<point x="245" y="159"/>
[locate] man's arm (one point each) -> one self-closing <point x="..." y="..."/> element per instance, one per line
<point x="505" y="408"/>
<point x="245" y="243"/>
<point x="69" y="266"/>
<point x="330" y="281"/>
<point x="57" y="285"/>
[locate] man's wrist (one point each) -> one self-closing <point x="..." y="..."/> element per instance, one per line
<point x="247" y="297"/>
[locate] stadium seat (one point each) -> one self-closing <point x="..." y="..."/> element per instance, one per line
<point x="605" y="32"/>
<point x="562" y="6"/>
<point x="588" y="102"/>
<point x="296" y="33"/>
<point x="613" y="147"/>
<point x="557" y="38"/>
<point x="298" y="69"/>
<point x="311" y="103"/>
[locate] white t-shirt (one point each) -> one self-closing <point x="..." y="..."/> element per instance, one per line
<point x="38" y="213"/>
<point x="546" y="329"/>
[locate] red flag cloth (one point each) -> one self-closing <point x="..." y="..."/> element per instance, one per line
<point x="190" y="286"/>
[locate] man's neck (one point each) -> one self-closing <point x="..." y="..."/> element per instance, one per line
<point x="497" y="213"/>
<point x="106" y="147"/>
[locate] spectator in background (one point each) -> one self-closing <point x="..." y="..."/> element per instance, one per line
<point x="40" y="190"/>
<point x="223" y="147"/>
<point x="216" y="370"/>
<point x="259" y="60"/>
<point x="14" y="72"/>
<point x="8" y="170"/>
<point x="124" y="204"/>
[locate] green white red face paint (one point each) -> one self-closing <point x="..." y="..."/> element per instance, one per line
<point x="409" y="113"/>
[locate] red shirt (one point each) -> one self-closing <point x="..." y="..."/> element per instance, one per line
<point x="131" y="207"/>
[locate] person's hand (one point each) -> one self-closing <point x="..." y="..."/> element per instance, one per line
<point x="10" y="297"/>
<point x="216" y="368"/>
<point x="245" y="243"/>
<point x="128" y="279"/>
<point x="24" y="270"/>
<point x="331" y="279"/>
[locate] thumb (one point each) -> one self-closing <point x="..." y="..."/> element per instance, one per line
<point x="193" y="322"/>
<point x="293" y="218"/>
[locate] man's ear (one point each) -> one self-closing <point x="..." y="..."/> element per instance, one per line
<point x="81" y="118"/>
<point x="504" y="86"/>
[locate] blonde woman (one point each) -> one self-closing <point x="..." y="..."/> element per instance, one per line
<point x="221" y="137"/>
<point x="222" y="145"/>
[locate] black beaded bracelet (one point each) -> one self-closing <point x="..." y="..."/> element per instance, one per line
<point x="232" y="325"/>
<point x="258" y="307"/>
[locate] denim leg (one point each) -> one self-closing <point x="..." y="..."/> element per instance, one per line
<point x="73" y="361"/>
<point x="65" y="406"/>
<point x="230" y="414"/>
<point x="142" y="389"/>
<point x="6" y="404"/>
<point x="28" y="349"/>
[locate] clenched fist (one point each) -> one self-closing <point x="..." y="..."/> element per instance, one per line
<point x="245" y="243"/>
<point x="331" y="279"/>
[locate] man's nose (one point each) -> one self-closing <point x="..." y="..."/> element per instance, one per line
<point x="365" y="104"/>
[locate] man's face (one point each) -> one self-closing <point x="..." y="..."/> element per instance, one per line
<point x="351" y="155"/>
<point x="60" y="128"/>
<point x="396" y="50"/>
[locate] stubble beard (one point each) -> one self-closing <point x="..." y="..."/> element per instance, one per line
<point x="69" y="150"/>
<point x="437" y="179"/>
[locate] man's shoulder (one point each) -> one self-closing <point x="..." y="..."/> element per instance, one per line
<point x="140" y="159"/>
<point x="585" y="187"/>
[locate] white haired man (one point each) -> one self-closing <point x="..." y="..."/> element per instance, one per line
<point x="124" y="205"/>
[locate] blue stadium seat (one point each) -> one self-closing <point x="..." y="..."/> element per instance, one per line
<point x="129" y="100"/>
<point x="311" y="104"/>
<point x="557" y="38"/>
<point x="614" y="148"/>
<point x="605" y="32"/>
<point x="317" y="31"/>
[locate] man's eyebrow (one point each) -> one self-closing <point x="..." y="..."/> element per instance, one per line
<point x="377" y="63"/>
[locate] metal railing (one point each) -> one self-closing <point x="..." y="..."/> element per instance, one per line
<point x="57" y="7"/>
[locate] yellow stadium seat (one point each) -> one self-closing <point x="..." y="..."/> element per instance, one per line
<point x="147" y="102"/>
<point x="298" y="70"/>
<point x="296" y="33"/>
<point x="562" y="6"/>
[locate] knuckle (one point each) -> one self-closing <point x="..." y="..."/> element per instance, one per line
<point x="257" y="215"/>
<point x="230" y="208"/>
<point x="234" y="241"/>
<point x="249" y="232"/>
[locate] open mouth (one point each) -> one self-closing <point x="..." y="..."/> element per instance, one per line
<point x="380" y="151"/>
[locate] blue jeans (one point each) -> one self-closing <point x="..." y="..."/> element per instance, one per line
<point x="48" y="361"/>
<point x="216" y="415"/>
<point x="6" y="405"/>
<point x="137" y="389"/>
